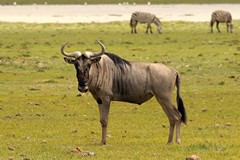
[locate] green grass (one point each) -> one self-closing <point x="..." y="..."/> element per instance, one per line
<point x="42" y="116"/>
<point x="7" y="2"/>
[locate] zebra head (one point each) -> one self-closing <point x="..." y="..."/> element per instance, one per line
<point x="157" y="22"/>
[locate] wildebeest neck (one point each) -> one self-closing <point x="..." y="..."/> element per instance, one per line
<point x="118" y="61"/>
<point x="108" y="72"/>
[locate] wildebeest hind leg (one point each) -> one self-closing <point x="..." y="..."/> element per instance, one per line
<point x="174" y="118"/>
<point x="178" y="126"/>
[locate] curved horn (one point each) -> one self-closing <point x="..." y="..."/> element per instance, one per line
<point x="103" y="47"/>
<point x="74" y="54"/>
<point x="102" y="52"/>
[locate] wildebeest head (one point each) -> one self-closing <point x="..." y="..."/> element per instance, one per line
<point x="82" y="63"/>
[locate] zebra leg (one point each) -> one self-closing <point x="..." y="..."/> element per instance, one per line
<point x="147" y="29"/>
<point x="218" y="27"/>
<point x="211" y="24"/>
<point x="150" y="29"/>
<point x="133" y="25"/>
<point x="229" y="27"/>
<point x="136" y="27"/>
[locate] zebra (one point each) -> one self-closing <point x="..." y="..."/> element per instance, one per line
<point x="143" y="17"/>
<point x="220" y="16"/>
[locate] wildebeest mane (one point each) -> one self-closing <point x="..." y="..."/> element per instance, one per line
<point x="118" y="61"/>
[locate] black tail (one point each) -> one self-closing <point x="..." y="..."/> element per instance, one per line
<point x="180" y="104"/>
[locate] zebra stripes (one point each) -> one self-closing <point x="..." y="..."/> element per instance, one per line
<point x="143" y="17"/>
<point x="220" y="16"/>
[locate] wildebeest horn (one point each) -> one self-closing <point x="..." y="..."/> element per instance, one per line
<point x="102" y="52"/>
<point x="103" y="47"/>
<point x="74" y="54"/>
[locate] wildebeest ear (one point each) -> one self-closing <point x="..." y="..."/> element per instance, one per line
<point x="95" y="60"/>
<point x="69" y="60"/>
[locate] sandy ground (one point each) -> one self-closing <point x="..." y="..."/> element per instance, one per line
<point x="108" y="13"/>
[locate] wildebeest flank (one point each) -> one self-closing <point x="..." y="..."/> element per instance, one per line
<point x="110" y="78"/>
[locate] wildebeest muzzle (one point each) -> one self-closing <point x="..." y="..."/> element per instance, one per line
<point x="83" y="87"/>
<point x="82" y="81"/>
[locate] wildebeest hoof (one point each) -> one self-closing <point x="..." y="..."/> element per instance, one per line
<point x="193" y="157"/>
<point x="178" y="141"/>
<point x="103" y="143"/>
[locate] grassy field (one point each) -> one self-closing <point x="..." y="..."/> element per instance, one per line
<point x="42" y="115"/>
<point x="115" y="1"/>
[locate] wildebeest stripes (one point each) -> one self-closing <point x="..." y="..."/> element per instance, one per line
<point x="220" y="16"/>
<point x="111" y="78"/>
<point x="143" y="17"/>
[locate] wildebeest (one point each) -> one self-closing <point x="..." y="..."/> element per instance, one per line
<point x="143" y="17"/>
<point x="220" y="16"/>
<point x="110" y="78"/>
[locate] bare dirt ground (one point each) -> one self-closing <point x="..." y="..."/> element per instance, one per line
<point x="108" y="13"/>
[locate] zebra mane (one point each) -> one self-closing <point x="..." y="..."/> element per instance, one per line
<point x="118" y="61"/>
<point x="156" y="21"/>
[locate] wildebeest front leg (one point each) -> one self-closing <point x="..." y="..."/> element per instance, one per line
<point x="104" y="111"/>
